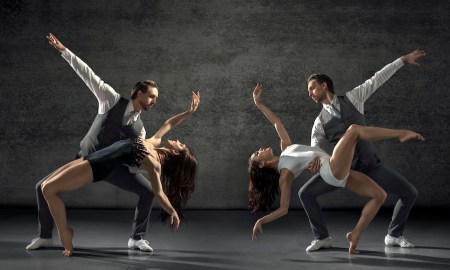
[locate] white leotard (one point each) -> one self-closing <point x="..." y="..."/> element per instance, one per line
<point x="296" y="158"/>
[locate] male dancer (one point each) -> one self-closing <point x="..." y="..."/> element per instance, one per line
<point x="337" y="114"/>
<point x="117" y="119"/>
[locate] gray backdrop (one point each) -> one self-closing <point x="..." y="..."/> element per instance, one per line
<point x="222" y="48"/>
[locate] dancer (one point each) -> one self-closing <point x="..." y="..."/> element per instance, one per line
<point x="171" y="170"/>
<point x="338" y="113"/>
<point x="118" y="118"/>
<point x="269" y="172"/>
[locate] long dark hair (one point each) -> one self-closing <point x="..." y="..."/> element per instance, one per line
<point x="178" y="173"/>
<point x="262" y="187"/>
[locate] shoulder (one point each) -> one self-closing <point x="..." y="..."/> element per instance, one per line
<point x="286" y="175"/>
<point x="151" y="163"/>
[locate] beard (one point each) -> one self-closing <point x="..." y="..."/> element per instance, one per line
<point x="144" y="106"/>
<point x="320" y="98"/>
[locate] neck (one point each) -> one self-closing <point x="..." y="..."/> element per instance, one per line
<point x="273" y="163"/>
<point x="328" y="98"/>
<point x="136" y="105"/>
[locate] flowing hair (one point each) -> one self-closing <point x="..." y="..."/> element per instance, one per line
<point x="178" y="173"/>
<point x="262" y="187"/>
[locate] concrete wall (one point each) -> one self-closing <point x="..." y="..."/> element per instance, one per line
<point x="222" y="48"/>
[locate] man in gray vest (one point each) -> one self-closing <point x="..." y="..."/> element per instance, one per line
<point x="117" y="119"/>
<point x="337" y="114"/>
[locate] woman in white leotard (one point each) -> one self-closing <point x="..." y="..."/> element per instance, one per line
<point x="269" y="173"/>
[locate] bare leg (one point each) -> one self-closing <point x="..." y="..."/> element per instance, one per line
<point x="363" y="185"/>
<point x="70" y="178"/>
<point x="62" y="168"/>
<point x="341" y="159"/>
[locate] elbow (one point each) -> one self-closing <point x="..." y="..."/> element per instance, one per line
<point x="160" y="194"/>
<point x="284" y="211"/>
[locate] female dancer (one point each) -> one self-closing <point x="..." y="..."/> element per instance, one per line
<point x="268" y="172"/>
<point x="171" y="170"/>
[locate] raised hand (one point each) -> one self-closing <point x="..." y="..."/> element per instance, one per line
<point x="195" y="101"/>
<point x="257" y="94"/>
<point x="412" y="57"/>
<point x="52" y="40"/>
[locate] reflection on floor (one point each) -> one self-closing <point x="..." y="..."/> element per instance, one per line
<point x="222" y="240"/>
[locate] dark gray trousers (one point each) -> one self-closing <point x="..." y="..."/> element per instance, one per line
<point x="392" y="182"/>
<point x="120" y="177"/>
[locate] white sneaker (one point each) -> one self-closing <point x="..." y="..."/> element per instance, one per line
<point x="140" y="244"/>
<point x="40" y="243"/>
<point x="318" y="244"/>
<point x="400" y="241"/>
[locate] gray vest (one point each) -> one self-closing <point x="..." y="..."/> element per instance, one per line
<point x="107" y="129"/>
<point x="365" y="154"/>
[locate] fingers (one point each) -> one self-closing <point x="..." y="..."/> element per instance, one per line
<point x="257" y="234"/>
<point x="257" y="231"/>
<point x="174" y="223"/>
<point x="257" y="87"/>
<point x="314" y="166"/>
<point x="196" y="95"/>
<point x="420" y="137"/>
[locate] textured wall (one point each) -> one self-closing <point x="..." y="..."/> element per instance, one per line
<point x="221" y="48"/>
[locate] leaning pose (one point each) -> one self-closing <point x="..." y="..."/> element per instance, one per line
<point x="171" y="170"/>
<point x="268" y="172"/>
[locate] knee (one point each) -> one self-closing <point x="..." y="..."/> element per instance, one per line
<point x="38" y="187"/>
<point x="381" y="196"/>
<point x="412" y="194"/>
<point x="47" y="190"/>
<point x="353" y="128"/>
<point x="147" y="194"/>
<point x="303" y="194"/>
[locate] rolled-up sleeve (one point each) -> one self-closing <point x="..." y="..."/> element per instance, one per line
<point x="317" y="134"/>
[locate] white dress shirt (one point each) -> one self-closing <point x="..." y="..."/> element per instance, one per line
<point x="107" y="97"/>
<point x="357" y="97"/>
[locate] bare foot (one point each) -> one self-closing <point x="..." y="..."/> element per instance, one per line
<point x="353" y="240"/>
<point x="66" y="241"/>
<point x="408" y="135"/>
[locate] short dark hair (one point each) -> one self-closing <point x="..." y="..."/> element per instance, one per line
<point x="321" y="78"/>
<point x="142" y="86"/>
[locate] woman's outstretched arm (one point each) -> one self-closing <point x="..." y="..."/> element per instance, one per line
<point x="285" y="141"/>
<point x="154" y="168"/>
<point x="286" y="178"/>
<point x="175" y="120"/>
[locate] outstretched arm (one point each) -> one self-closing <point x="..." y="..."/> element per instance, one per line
<point x="175" y="120"/>
<point x="286" y="178"/>
<point x="153" y="170"/>
<point x="412" y="57"/>
<point x="285" y="141"/>
<point x="361" y="93"/>
<point x="55" y="42"/>
<point x="107" y="97"/>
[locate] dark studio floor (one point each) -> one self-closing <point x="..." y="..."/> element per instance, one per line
<point x="222" y="240"/>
